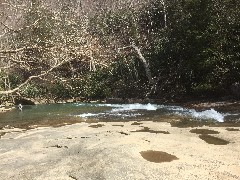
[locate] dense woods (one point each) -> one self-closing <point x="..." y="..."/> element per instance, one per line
<point x="64" y="49"/>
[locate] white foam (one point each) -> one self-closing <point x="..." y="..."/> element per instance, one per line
<point x="98" y="105"/>
<point x="124" y="114"/>
<point x="84" y="115"/>
<point x="109" y="105"/>
<point x="125" y="109"/>
<point x="208" y="114"/>
<point x="137" y="106"/>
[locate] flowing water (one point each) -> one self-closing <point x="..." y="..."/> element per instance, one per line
<point x="57" y="114"/>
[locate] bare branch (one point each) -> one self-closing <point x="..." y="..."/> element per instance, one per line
<point x="15" y="6"/>
<point x="6" y="67"/>
<point x="9" y="51"/>
<point x="24" y="28"/>
<point x="12" y="50"/>
<point x="164" y="12"/>
<point x="32" y="77"/>
<point x="6" y="26"/>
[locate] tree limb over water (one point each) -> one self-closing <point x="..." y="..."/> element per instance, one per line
<point x="31" y="78"/>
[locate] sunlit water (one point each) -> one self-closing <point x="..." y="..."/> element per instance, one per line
<point x="77" y="112"/>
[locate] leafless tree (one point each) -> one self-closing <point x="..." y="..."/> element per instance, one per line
<point x="39" y="57"/>
<point x="38" y="37"/>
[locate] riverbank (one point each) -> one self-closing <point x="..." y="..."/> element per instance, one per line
<point x="119" y="150"/>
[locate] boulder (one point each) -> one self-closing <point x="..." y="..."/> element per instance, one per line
<point x="24" y="101"/>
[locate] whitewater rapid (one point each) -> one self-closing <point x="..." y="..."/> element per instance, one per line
<point x="134" y="110"/>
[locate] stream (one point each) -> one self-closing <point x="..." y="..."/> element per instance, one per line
<point x="69" y="113"/>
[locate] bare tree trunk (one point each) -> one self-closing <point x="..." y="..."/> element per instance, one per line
<point x="165" y="13"/>
<point x="9" y="88"/>
<point x="92" y="65"/>
<point x="144" y="61"/>
<point x="91" y="62"/>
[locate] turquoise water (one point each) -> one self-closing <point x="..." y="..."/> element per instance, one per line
<point x="53" y="114"/>
<point x="44" y="114"/>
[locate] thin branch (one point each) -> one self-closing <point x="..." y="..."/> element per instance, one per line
<point x="15" y="6"/>
<point x="12" y="50"/>
<point x="6" y="67"/>
<point x="6" y="26"/>
<point x="2" y="35"/>
<point x="123" y="48"/>
<point x="24" y="28"/>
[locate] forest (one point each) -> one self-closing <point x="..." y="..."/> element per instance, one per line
<point x="86" y="49"/>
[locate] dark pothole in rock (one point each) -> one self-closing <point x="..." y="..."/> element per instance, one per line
<point x="147" y="129"/>
<point x="157" y="156"/>
<point x="96" y="125"/>
<point x="204" y="131"/>
<point x="213" y="140"/>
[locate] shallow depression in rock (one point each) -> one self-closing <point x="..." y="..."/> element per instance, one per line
<point x="157" y="156"/>
<point x="147" y="129"/>
<point x="232" y="129"/>
<point x="213" y="140"/>
<point x="96" y="125"/>
<point x="204" y="131"/>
